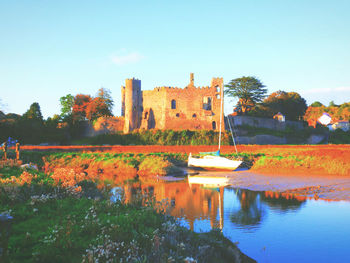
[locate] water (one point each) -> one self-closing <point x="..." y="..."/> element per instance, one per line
<point x="268" y="227"/>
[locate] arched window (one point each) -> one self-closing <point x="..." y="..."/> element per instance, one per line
<point x="217" y="89"/>
<point x="146" y="115"/>
<point x="213" y="125"/>
<point x="206" y="103"/>
<point x="173" y="104"/>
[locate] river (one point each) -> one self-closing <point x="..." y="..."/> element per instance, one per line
<point x="267" y="226"/>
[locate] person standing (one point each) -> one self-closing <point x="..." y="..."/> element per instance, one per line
<point x="4" y="148"/>
<point x="17" y="151"/>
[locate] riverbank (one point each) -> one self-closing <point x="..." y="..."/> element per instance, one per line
<point x="326" y="187"/>
<point x="302" y="159"/>
<point x="69" y="217"/>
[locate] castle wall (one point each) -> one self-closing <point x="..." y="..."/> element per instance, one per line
<point x="154" y="106"/>
<point x="189" y="112"/>
<point x="178" y="109"/>
<point x="172" y="108"/>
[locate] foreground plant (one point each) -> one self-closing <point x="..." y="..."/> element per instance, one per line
<point x="53" y="222"/>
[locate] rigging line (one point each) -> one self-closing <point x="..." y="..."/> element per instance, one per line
<point x="234" y="130"/>
<point x="221" y="113"/>
<point x="233" y="139"/>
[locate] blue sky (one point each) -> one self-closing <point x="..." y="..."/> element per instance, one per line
<point x="52" y="48"/>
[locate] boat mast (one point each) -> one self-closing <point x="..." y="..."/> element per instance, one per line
<point x="222" y="99"/>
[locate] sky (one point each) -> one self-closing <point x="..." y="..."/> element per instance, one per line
<point x="49" y="49"/>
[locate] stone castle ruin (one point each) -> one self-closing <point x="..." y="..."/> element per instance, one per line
<point x="171" y="107"/>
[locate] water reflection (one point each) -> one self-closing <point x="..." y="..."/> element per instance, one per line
<point x="269" y="226"/>
<point x="191" y="202"/>
<point x="283" y="202"/>
<point x="250" y="212"/>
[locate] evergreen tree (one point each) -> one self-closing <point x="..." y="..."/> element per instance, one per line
<point x="249" y="91"/>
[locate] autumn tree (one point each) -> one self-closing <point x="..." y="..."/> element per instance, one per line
<point x="106" y="98"/>
<point x="290" y="104"/>
<point x="81" y="102"/>
<point x="249" y="91"/>
<point x="100" y="106"/>
<point x="91" y="108"/>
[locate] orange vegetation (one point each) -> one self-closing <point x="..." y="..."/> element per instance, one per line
<point x="24" y="178"/>
<point x="315" y="159"/>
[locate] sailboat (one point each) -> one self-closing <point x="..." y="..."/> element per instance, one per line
<point x="213" y="160"/>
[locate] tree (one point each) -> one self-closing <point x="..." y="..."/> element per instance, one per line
<point x="106" y="98"/>
<point x="249" y="90"/>
<point x="67" y="103"/>
<point x="332" y="104"/>
<point x="290" y="104"/>
<point x="97" y="108"/>
<point x="34" y="112"/>
<point x="81" y="102"/>
<point x="316" y="104"/>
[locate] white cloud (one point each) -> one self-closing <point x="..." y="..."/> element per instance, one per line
<point x="326" y="90"/>
<point x="124" y="59"/>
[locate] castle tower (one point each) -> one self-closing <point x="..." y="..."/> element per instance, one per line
<point x="123" y="101"/>
<point x="132" y="104"/>
<point x="218" y="84"/>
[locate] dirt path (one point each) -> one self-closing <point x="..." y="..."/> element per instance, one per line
<point x="323" y="186"/>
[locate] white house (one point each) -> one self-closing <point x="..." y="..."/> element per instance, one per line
<point x="344" y="125"/>
<point x="325" y="119"/>
<point x="280" y="117"/>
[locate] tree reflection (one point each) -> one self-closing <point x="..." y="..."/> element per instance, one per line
<point x="251" y="211"/>
<point x="283" y="202"/>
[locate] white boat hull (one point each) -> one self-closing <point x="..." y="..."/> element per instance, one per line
<point x="210" y="162"/>
<point x="208" y="181"/>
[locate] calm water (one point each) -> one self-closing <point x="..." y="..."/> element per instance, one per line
<point x="269" y="227"/>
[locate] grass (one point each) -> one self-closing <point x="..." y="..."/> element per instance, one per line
<point x="52" y="222"/>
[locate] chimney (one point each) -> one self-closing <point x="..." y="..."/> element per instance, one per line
<point x="191" y="78"/>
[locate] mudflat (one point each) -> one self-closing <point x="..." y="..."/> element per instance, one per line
<point x="328" y="187"/>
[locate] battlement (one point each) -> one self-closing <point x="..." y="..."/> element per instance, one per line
<point x="168" y="107"/>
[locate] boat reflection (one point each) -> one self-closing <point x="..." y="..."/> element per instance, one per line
<point x="192" y="201"/>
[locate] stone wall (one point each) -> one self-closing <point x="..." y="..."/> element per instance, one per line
<point x="173" y="108"/>
<point x="104" y="125"/>
<point x="264" y="123"/>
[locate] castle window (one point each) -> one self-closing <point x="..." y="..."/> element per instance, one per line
<point x="178" y="115"/>
<point x="173" y="104"/>
<point x="194" y="115"/>
<point x="213" y="124"/>
<point x="146" y="115"/>
<point x="217" y="89"/>
<point x="218" y="96"/>
<point x="207" y="103"/>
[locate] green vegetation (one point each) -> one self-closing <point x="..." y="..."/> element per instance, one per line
<point x="295" y="135"/>
<point x="84" y="223"/>
<point x="158" y="137"/>
<point x="290" y="104"/>
<point x="339" y="137"/>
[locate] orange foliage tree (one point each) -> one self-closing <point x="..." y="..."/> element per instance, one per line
<point x="81" y="102"/>
<point x="92" y="108"/>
